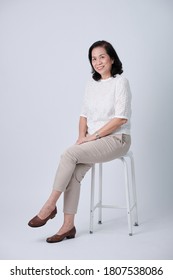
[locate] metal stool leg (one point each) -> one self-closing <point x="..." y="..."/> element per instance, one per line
<point x="92" y="198"/>
<point x="127" y="195"/>
<point x="100" y="193"/>
<point x="134" y="188"/>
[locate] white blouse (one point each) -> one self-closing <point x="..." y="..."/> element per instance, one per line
<point x="105" y="100"/>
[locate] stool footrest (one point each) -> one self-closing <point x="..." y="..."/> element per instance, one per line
<point x="108" y="206"/>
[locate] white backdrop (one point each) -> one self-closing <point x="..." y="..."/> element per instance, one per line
<point x="43" y="71"/>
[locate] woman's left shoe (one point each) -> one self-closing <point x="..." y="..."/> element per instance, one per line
<point x="57" y="238"/>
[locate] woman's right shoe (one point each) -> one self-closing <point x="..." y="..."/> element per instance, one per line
<point x="37" y="222"/>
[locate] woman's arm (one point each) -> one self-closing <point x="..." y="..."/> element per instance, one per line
<point x="110" y="127"/>
<point x="107" y="129"/>
<point x="82" y="129"/>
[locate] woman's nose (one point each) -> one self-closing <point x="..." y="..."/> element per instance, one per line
<point x="99" y="62"/>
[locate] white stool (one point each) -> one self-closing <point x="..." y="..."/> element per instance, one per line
<point x="129" y="206"/>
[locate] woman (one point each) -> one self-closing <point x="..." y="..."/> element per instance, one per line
<point x="104" y="134"/>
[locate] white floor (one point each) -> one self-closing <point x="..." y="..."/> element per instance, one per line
<point x="152" y="239"/>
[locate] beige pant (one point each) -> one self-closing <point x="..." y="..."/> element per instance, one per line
<point x="78" y="159"/>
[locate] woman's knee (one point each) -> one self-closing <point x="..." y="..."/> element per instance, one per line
<point x="69" y="154"/>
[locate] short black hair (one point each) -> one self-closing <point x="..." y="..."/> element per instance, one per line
<point x="116" y="66"/>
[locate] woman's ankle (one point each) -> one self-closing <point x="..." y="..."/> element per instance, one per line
<point x="65" y="228"/>
<point x="46" y="210"/>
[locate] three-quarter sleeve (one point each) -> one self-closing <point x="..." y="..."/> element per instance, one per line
<point x="122" y="99"/>
<point x="84" y="109"/>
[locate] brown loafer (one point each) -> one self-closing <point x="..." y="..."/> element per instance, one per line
<point x="37" y="222"/>
<point x="57" y="238"/>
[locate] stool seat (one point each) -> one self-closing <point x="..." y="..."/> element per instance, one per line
<point x="129" y="181"/>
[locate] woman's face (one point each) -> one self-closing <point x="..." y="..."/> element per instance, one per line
<point x="101" y="62"/>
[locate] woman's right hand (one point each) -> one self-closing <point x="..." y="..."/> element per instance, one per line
<point x="85" y="139"/>
<point x="80" y="140"/>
